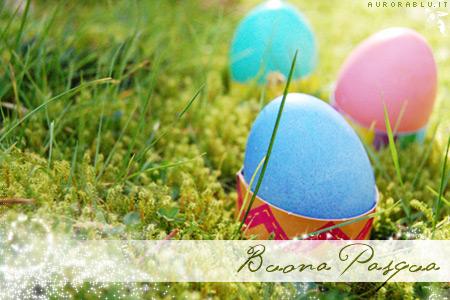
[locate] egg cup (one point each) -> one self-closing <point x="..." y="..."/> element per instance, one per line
<point x="266" y="221"/>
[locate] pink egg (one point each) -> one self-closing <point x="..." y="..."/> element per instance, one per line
<point x="395" y="67"/>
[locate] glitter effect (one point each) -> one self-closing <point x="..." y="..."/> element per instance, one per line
<point x="34" y="262"/>
<point x="437" y="18"/>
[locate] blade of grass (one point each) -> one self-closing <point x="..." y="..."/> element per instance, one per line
<point x="436" y="193"/>
<point x="153" y="141"/>
<point x="59" y="121"/>
<point x="392" y="146"/>
<point x="262" y="97"/>
<point x="442" y="187"/>
<point x="26" y="66"/>
<point x="186" y="108"/>
<point x="22" y="24"/>
<point x="50" y="144"/>
<point x="400" y="117"/>
<point x="164" y="166"/>
<point x="73" y="166"/>
<point x="99" y="136"/>
<point x="425" y="156"/>
<point x="268" y="290"/>
<point x="114" y="148"/>
<point x="43" y="105"/>
<point x="443" y="222"/>
<point x="15" y="90"/>
<point x="376" y="160"/>
<point x="272" y="141"/>
<point x="139" y="131"/>
<point x="244" y="202"/>
<point x="7" y="26"/>
<point x="394" y="155"/>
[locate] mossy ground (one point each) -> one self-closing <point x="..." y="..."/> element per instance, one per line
<point x="118" y="158"/>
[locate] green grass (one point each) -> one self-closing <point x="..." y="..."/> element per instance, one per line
<point x="271" y="143"/>
<point x="119" y="120"/>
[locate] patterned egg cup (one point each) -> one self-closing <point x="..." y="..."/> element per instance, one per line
<point x="265" y="221"/>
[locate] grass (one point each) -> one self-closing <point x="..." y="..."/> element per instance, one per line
<point x="442" y="187"/>
<point x="271" y="142"/>
<point x="392" y="146"/>
<point x="118" y="119"/>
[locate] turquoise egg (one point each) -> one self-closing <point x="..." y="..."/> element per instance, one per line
<point x="266" y="41"/>
<point x="318" y="167"/>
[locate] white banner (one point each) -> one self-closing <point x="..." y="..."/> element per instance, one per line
<point x="224" y="261"/>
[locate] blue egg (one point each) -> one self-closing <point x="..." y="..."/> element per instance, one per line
<point x="266" y="41"/>
<point x="318" y="167"/>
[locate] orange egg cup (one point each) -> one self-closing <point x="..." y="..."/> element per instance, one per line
<point x="266" y="221"/>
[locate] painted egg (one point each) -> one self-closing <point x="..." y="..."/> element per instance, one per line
<point x="394" y="67"/>
<point x="318" y="167"/>
<point x="266" y="40"/>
